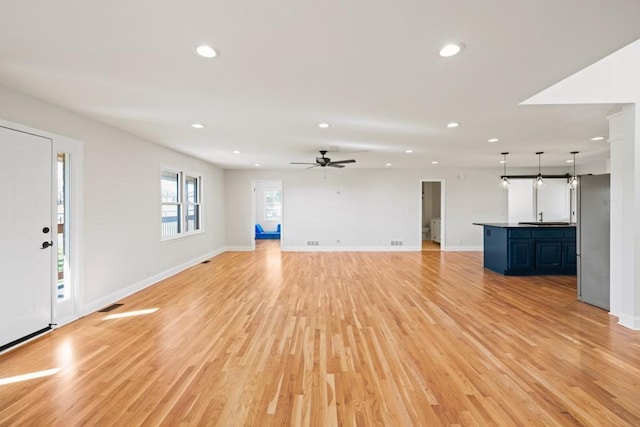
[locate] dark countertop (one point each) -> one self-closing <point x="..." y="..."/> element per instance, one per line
<point x="516" y="225"/>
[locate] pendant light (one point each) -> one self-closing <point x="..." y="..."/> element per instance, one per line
<point x="573" y="181"/>
<point x="539" y="183"/>
<point x="504" y="182"/>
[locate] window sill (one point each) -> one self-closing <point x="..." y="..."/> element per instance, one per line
<point x="181" y="236"/>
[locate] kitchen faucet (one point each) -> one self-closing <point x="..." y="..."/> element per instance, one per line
<point x="540" y="216"/>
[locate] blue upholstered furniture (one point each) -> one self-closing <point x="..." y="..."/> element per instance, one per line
<point x="261" y="234"/>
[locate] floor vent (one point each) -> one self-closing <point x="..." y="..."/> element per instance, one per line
<point x="313" y="243"/>
<point x="206" y="262"/>
<point x="396" y="243"/>
<point x="108" y="309"/>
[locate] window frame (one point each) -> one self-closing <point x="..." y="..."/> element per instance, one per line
<point x="182" y="203"/>
<point x="266" y="206"/>
<point x="196" y="204"/>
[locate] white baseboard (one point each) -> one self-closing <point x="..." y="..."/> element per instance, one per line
<point x="351" y="249"/>
<point x="65" y="321"/>
<point x="136" y="287"/>
<point x="628" y="321"/>
<point x="376" y="249"/>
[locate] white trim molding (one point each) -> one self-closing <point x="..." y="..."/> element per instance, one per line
<point x="145" y="283"/>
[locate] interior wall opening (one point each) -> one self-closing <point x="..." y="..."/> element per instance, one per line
<point x="431" y="216"/>
<point x="267" y="213"/>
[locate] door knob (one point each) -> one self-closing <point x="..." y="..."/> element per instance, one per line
<point x="45" y="245"/>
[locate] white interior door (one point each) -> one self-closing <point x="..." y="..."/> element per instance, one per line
<point x="25" y="224"/>
<point x="554" y="201"/>
<point x="521" y="201"/>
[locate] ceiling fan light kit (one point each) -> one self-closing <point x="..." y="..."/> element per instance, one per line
<point x="323" y="162"/>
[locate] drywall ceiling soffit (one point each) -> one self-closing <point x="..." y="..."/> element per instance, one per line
<point x="612" y="80"/>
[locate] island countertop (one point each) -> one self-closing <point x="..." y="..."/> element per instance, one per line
<point x="518" y="225"/>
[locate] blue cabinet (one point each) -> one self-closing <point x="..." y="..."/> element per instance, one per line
<point x="569" y="259"/>
<point x="548" y="255"/>
<point x="519" y="256"/>
<point x="518" y="250"/>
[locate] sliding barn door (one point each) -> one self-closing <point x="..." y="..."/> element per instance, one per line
<point x="26" y="258"/>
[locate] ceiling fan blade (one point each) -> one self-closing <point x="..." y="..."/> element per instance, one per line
<point x="311" y="167"/>
<point x="333" y="165"/>
<point x="340" y="162"/>
<point x="296" y="163"/>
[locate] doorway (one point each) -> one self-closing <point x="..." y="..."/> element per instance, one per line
<point x="267" y="213"/>
<point x="431" y="216"/>
<point x="27" y="248"/>
<point x="41" y="223"/>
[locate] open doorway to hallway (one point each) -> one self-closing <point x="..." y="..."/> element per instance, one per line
<point x="431" y="215"/>
<point x="267" y="213"/>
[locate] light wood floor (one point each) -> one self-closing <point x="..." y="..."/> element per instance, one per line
<point x="430" y="245"/>
<point x="396" y="339"/>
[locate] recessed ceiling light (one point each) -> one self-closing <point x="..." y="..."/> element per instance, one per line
<point x="257" y="165"/>
<point x="324" y="125"/>
<point x="451" y="49"/>
<point x="197" y="126"/>
<point x="206" y="51"/>
<point x="569" y="161"/>
<point x="236" y="151"/>
<point x="453" y="125"/>
<point x="493" y="140"/>
<point x="597" y="138"/>
<point x="408" y="151"/>
<point x="388" y="164"/>
<point x="435" y="162"/>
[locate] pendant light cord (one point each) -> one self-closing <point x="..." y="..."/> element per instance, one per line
<point x="539" y="163"/>
<point x="504" y="156"/>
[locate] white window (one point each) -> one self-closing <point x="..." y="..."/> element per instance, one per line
<point x="180" y="203"/>
<point x="272" y="204"/>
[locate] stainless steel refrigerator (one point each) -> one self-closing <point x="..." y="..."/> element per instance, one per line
<point x="593" y="216"/>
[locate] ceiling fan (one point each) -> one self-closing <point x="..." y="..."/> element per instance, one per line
<point x="323" y="162"/>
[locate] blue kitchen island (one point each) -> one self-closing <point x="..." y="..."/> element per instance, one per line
<point x="530" y="248"/>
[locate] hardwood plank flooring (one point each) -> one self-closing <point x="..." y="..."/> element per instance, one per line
<point x="324" y="339"/>
<point x="430" y="245"/>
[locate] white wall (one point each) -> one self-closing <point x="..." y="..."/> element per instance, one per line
<point x="366" y="208"/>
<point x="624" y="135"/>
<point x="436" y="199"/>
<point x="614" y="80"/>
<point x="122" y="248"/>
<point x="427" y="203"/>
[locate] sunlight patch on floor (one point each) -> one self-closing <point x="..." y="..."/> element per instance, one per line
<point x="30" y="376"/>
<point x="131" y="313"/>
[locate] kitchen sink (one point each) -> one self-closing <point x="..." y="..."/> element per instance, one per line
<point x="544" y="223"/>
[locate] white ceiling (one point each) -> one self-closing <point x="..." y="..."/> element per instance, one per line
<point x="369" y="67"/>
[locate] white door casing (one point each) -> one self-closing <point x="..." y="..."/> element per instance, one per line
<point x="27" y="269"/>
